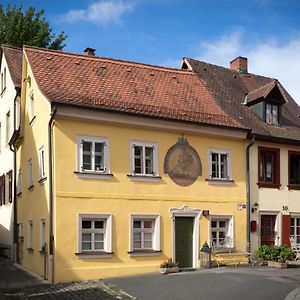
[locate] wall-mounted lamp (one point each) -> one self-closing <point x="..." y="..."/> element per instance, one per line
<point x="254" y="207"/>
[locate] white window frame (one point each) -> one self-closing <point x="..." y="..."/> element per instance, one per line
<point x="219" y="152"/>
<point x="107" y="218"/>
<point x="230" y="229"/>
<point x="156" y="233"/>
<point x="8" y="126"/>
<point x="20" y="230"/>
<point x="153" y="145"/>
<point x="42" y="172"/>
<point x="30" y="235"/>
<point x="30" y="173"/>
<point x="294" y="235"/>
<point x="271" y="117"/>
<point x="31" y="109"/>
<point x="19" y="182"/>
<point x="42" y="234"/>
<point x="93" y="139"/>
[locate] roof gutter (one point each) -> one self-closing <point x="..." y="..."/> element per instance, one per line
<point x="248" y="192"/>
<point x="51" y="236"/>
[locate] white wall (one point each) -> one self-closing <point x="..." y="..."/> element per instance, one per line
<point x="6" y="156"/>
<point x="272" y="200"/>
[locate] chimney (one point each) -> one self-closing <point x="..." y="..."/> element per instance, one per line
<point x="239" y="64"/>
<point x="89" y="51"/>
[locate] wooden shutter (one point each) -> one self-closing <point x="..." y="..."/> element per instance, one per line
<point x="2" y="189"/>
<point x="10" y="186"/>
<point x="286" y="229"/>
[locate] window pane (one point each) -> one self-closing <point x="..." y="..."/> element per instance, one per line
<point x="213" y="224"/>
<point x="99" y="237"/>
<point x="148" y="244"/>
<point x="137" y="224"/>
<point x="138" y="150"/>
<point x="148" y="224"/>
<point x="137" y="245"/>
<point x="99" y="246"/>
<point x="147" y="236"/>
<point x="222" y="224"/>
<point x="294" y="169"/>
<point x="86" y="224"/>
<point x="99" y="147"/>
<point x="86" y="246"/>
<point x="99" y="163"/>
<point x="298" y="221"/>
<point x="87" y="146"/>
<point x="137" y="236"/>
<point x="99" y="224"/>
<point x="87" y="162"/>
<point x="86" y="237"/>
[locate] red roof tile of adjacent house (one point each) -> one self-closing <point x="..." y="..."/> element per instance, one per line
<point x="123" y="86"/>
<point x="13" y="56"/>
<point x="230" y="88"/>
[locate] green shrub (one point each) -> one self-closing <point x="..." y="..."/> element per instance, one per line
<point x="277" y="253"/>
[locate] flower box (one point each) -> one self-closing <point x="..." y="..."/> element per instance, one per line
<point x="168" y="270"/>
<point x="276" y="264"/>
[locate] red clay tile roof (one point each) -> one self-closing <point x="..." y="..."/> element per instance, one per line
<point x="13" y="57"/>
<point x="229" y="88"/>
<point x="123" y="86"/>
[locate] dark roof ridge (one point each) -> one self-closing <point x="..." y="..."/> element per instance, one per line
<point x="110" y="60"/>
<point x="11" y="47"/>
<point x="228" y="69"/>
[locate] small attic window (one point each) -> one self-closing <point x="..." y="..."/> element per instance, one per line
<point x="272" y="113"/>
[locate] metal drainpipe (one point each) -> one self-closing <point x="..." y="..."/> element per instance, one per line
<point x="15" y="220"/>
<point x="248" y="191"/>
<point x="51" y="237"/>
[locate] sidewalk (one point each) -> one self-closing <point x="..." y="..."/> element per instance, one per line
<point x="17" y="283"/>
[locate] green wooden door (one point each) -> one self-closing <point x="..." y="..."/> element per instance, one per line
<point x="184" y="241"/>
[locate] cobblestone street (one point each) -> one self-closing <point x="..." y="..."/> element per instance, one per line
<point x="16" y="283"/>
<point x="93" y="289"/>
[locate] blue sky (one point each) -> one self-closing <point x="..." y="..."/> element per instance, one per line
<point x="161" y="32"/>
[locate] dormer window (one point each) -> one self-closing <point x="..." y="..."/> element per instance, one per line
<point x="272" y="114"/>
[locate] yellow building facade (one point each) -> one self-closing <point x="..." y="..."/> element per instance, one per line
<point x="116" y="207"/>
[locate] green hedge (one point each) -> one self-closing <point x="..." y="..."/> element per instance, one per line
<point x="275" y="253"/>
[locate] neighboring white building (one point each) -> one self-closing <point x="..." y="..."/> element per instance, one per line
<point x="10" y="86"/>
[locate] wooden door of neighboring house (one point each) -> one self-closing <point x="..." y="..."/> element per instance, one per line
<point x="267" y="230"/>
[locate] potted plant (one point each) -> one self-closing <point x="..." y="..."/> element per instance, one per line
<point x="276" y="256"/>
<point x="168" y="266"/>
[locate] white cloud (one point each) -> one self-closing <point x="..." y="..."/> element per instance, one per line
<point x="269" y="58"/>
<point x="101" y="13"/>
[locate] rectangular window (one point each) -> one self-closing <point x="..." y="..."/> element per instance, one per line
<point x="10" y="185"/>
<point x="2" y="189"/>
<point x="144" y="159"/>
<point x="30" y="235"/>
<point x="19" y="182"/>
<point x="145" y="233"/>
<point x="31" y="109"/>
<point x="42" y="235"/>
<point x="272" y="114"/>
<point x="95" y="233"/>
<point x="8" y="127"/>
<point x="30" y="173"/>
<point x="20" y="230"/>
<point x="221" y="232"/>
<point x="295" y="229"/>
<point x="219" y="164"/>
<point x="268" y="167"/>
<point x="93" y="154"/>
<point x="4" y="79"/>
<point x="42" y="172"/>
<point x="294" y="170"/>
<point x="2" y="83"/>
